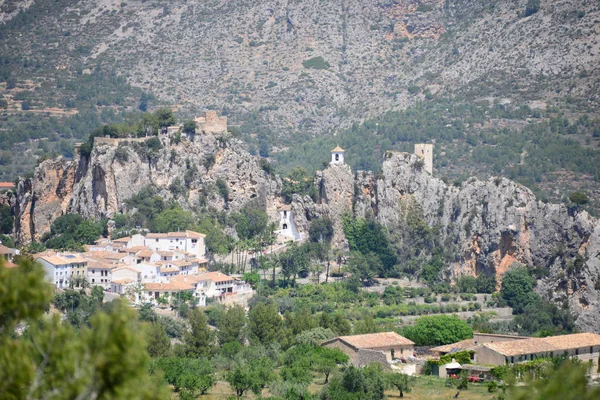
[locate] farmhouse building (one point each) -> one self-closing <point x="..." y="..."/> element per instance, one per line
<point x="381" y="347"/>
<point x="584" y="346"/>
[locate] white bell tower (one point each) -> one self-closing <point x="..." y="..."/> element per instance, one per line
<point x="337" y="155"/>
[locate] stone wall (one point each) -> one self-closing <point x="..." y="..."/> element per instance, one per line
<point x="116" y="141"/>
<point x="366" y="357"/>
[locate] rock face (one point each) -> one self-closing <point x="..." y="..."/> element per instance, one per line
<point x="116" y="170"/>
<point x="493" y="224"/>
<point x="490" y="225"/>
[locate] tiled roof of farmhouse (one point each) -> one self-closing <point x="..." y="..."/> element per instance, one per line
<point x="375" y="340"/>
<point x="545" y="345"/>
<point x="338" y="149"/>
<point x="449" y="348"/>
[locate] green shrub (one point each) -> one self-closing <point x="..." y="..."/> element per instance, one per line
<point x="316" y="63"/>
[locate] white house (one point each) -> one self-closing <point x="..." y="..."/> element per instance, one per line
<point x="152" y="291"/>
<point x="213" y="285"/>
<point x="150" y="272"/>
<point x="337" y="155"/>
<point x="99" y="273"/>
<point x="287" y="225"/>
<point x="188" y="241"/>
<point x="61" y="268"/>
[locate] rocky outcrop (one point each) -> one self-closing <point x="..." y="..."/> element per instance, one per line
<point x="489" y="225"/>
<point x="98" y="186"/>
<point x="43" y="198"/>
<point x="492" y="224"/>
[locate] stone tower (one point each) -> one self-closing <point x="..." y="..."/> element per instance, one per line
<point x="425" y="151"/>
<point x="337" y="155"/>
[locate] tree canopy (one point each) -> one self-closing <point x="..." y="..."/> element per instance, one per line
<point x="437" y="330"/>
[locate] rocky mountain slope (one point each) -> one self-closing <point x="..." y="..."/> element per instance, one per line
<point x="314" y="66"/>
<point x="99" y="184"/>
<point x="489" y="225"/>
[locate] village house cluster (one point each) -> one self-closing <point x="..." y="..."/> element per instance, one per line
<point x="146" y="268"/>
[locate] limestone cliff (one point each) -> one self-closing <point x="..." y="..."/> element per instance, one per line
<point x="489" y="225"/>
<point x="98" y="185"/>
<point x="492" y="224"/>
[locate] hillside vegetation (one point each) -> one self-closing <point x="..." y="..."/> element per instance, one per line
<point x="505" y="75"/>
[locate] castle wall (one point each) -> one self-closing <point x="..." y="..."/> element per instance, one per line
<point x="116" y="141"/>
<point x="425" y="151"/>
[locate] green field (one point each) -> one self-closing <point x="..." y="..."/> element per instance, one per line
<point x="427" y="388"/>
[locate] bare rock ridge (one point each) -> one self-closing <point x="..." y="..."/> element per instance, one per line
<point x="117" y="169"/>
<point x="490" y="224"/>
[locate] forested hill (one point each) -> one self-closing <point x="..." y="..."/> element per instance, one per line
<point x="301" y="70"/>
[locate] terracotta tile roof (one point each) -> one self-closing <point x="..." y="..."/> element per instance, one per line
<point x="453" y="347"/>
<point x="338" y="149"/>
<point x="95" y="264"/>
<point x="215" y="276"/>
<point x="54" y="260"/>
<point x="122" y="281"/>
<point x="156" y="236"/>
<point x="145" y="253"/>
<point x="576" y="340"/>
<point x="73" y="258"/>
<point x="7" y="185"/>
<point x="181" y="263"/>
<point x="545" y="345"/>
<point x="169" y="269"/>
<point x="8" y="264"/>
<point x="123" y="239"/>
<point x="169" y="287"/>
<point x="165" y="253"/>
<point x="5" y="250"/>
<point x="134" y="249"/>
<point x="285" y="207"/>
<point x="186" y="234"/>
<point x="126" y="267"/>
<point x="107" y="255"/>
<point x="374" y="340"/>
<point x="191" y="279"/>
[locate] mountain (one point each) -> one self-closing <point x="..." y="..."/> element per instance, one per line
<point x="480" y="227"/>
<point x="496" y="79"/>
<point x="316" y="65"/>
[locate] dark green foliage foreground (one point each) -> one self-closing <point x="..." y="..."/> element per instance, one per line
<point x="108" y="360"/>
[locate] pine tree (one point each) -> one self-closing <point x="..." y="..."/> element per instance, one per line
<point x="199" y="339"/>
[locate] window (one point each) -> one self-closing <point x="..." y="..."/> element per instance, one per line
<point x="285" y="226"/>
<point x="156" y="240"/>
<point x="576" y="352"/>
<point x="194" y="241"/>
<point x="337" y="157"/>
<point x="591" y="349"/>
<point x="93" y="280"/>
<point x="285" y="214"/>
<point x="512" y="360"/>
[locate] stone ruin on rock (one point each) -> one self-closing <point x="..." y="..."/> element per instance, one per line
<point x="425" y="151"/>
<point x="211" y="123"/>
